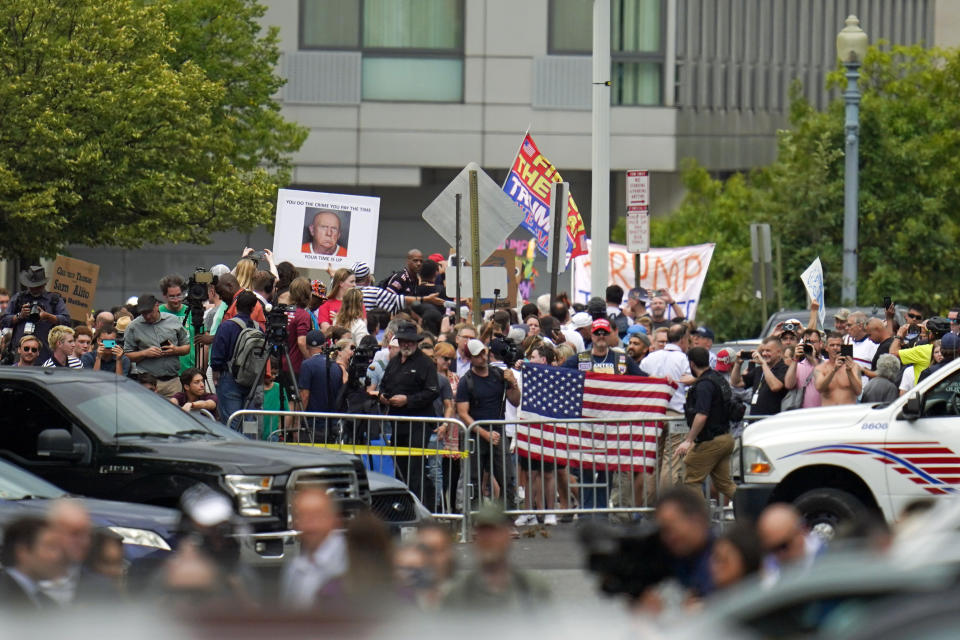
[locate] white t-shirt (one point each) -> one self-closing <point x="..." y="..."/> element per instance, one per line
<point x="574" y="338"/>
<point x="669" y="362"/>
<point x="907" y="382"/>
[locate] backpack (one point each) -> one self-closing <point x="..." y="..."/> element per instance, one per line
<point x="497" y="373"/>
<point x="620" y="323"/>
<point x="794" y="397"/>
<point x="249" y="357"/>
<point x="733" y="406"/>
<point x="385" y="283"/>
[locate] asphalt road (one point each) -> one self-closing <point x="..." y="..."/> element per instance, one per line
<point x="555" y="555"/>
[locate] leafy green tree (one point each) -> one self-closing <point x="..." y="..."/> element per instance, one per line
<point x="909" y="195"/>
<point x="124" y="123"/>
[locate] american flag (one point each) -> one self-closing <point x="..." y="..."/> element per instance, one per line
<point x="629" y="444"/>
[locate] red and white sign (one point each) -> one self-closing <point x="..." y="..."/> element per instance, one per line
<point x="638" y="231"/>
<point x="638" y="190"/>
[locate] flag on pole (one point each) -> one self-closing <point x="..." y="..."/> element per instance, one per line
<point x="630" y="444"/>
<point x="528" y="184"/>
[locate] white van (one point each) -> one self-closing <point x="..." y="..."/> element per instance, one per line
<point x="833" y="463"/>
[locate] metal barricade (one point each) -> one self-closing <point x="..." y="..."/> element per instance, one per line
<point x="575" y="469"/>
<point x="433" y="468"/>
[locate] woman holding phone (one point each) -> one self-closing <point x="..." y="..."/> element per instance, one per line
<point x="108" y="354"/>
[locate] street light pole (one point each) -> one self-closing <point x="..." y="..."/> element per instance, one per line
<point x="851" y="49"/>
<point x="600" y="156"/>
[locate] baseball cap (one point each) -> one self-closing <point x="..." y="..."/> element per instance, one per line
<point x="219" y="269"/>
<point x="315" y="338"/>
<point x="636" y="328"/>
<point x="146" y="302"/>
<point x="724" y="360"/>
<point x="437" y="257"/>
<point x="843" y="314"/>
<point x="950" y="342"/>
<point x="581" y="319"/>
<point x="475" y="347"/>
<point x="600" y="324"/>
<point x="360" y="270"/>
<point x="704" y="332"/>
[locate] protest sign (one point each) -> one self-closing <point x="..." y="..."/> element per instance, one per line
<point x="813" y="281"/>
<point x="528" y="184"/>
<point x="315" y="230"/>
<point x="680" y="270"/>
<point x="76" y="282"/>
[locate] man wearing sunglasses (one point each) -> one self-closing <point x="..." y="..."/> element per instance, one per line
<point x="786" y="540"/>
<point x="600" y="358"/>
<point x="29" y="352"/>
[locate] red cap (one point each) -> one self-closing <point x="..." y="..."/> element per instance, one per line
<point x="601" y="323"/>
<point x="436" y="257"/>
<point x="724" y="360"/>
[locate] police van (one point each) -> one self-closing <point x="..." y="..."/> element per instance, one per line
<point x="835" y="463"/>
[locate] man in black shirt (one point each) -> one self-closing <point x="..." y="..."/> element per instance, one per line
<point x="706" y="449"/>
<point x="481" y="395"/>
<point x="765" y="376"/>
<point x="408" y="388"/>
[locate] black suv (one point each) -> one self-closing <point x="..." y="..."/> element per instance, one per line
<point x="100" y="435"/>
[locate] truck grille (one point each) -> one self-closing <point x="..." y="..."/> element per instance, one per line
<point x="394" y="506"/>
<point x="339" y="482"/>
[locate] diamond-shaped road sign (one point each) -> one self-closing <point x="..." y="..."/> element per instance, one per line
<point x="499" y="215"/>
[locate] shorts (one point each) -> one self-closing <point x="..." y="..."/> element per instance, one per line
<point x="529" y="464"/>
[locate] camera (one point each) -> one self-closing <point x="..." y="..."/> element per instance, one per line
<point x="277" y="321"/>
<point x="505" y="349"/>
<point x="807" y="349"/>
<point x="197" y="295"/>
<point x="746" y="355"/>
<point x="30" y="327"/>
<point x="846" y="350"/>
<point x="938" y="326"/>
<point x="792" y="327"/>
<point x="628" y="561"/>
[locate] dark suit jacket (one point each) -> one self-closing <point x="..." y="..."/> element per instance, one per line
<point x="12" y="595"/>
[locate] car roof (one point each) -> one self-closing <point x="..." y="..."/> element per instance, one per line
<point x="59" y="375"/>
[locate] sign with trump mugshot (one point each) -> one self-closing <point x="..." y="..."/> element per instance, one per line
<point x="315" y="230"/>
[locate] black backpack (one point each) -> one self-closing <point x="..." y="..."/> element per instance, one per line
<point x="734" y="406"/>
<point x="620" y="323"/>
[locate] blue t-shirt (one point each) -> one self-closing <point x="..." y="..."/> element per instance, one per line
<point x="313" y="378"/>
<point x="88" y="360"/>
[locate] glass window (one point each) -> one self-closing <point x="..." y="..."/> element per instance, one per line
<point x="636" y="83"/>
<point x="425" y="35"/>
<point x="412" y="79"/>
<point x="636" y="44"/>
<point x="333" y="24"/>
<point x="413" y="24"/>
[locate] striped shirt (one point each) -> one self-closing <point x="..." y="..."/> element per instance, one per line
<point x="377" y="298"/>
<point x="73" y="363"/>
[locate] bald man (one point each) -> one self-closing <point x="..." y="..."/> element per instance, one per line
<point x="786" y="540"/>
<point x="70" y="520"/>
<point x="405" y="282"/>
<point x="323" y="550"/>
<point x="324" y="235"/>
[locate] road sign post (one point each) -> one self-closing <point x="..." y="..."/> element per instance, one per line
<point x="638" y="217"/>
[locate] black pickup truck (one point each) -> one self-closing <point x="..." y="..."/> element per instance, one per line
<point x="100" y="435"/>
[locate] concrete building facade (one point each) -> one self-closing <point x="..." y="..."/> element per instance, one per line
<point x="399" y="95"/>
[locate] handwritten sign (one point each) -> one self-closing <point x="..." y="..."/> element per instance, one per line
<point x="813" y="281"/>
<point x="680" y="270"/>
<point x="76" y="282"/>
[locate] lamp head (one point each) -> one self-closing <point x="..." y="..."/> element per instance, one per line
<point x="852" y="42"/>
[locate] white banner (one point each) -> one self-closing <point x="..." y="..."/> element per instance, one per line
<point x="680" y="270"/>
<point x="813" y="281"/>
<point x="314" y="229"/>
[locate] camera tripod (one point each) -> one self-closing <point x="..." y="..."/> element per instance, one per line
<point x="275" y="346"/>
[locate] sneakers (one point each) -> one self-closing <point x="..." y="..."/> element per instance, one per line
<point x="550" y="520"/>
<point x="525" y="520"/>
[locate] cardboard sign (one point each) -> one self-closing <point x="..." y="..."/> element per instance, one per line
<point x="315" y="230"/>
<point x="76" y="282"/>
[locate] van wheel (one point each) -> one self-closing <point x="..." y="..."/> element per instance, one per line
<point x="825" y="510"/>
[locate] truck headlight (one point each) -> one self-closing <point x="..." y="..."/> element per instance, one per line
<point x="141" y="537"/>
<point x="755" y="461"/>
<point x="246" y="489"/>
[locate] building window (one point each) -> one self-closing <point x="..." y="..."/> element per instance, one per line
<point x="636" y="44"/>
<point x="412" y="49"/>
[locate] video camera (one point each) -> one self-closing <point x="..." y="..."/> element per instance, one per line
<point x="506" y="349"/>
<point x="628" y="560"/>
<point x="938" y="327"/>
<point x="197" y="295"/>
<point x="277" y="321"/>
